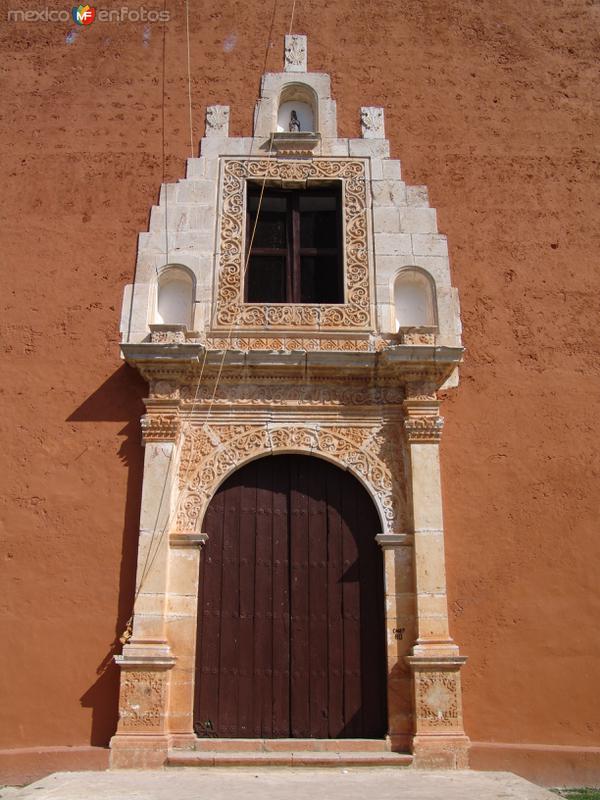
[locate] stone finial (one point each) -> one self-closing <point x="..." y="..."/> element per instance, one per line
<point x="372" y="122"/>
<point x="217" y="121"/>
<point x="296" y="59"/>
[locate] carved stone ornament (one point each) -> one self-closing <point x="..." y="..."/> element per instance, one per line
<point x="164" y="390"/>
<point x="230" y="310"/>
<point x="217" y="121"/>
<point x="142" y="700"/>
<point x="289" y="343"/>
<point x="417" y="337"/>
<point x="210" y="453"/>
<point x="167" y="337"/>
<point x="423" y="430"/>
<point x="160" y="427"/>
<point x="236" y="391"/>
<point x="296" y="59"/>
<point x="372" y="122"/>
<point x="438" y="704"/>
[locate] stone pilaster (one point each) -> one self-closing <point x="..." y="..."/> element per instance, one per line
<point x="435" y="661"/>
<point x="142" y="734"/>
<point x="400" y="625"/>
<point x="182" y="610"/>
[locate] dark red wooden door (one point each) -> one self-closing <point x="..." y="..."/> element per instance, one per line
<point x="291" y="635"/>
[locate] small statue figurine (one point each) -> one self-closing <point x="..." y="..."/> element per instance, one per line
<point x="294" y="123"/>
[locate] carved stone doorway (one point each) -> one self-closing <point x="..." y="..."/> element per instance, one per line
<point x="291" y="618"/>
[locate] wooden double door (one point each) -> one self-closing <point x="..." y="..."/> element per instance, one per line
<point x="291" y="633"/>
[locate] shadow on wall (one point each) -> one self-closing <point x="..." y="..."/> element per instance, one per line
<point x="118" y="399"/>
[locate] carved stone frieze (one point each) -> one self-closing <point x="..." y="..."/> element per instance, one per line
<point x="343" y="344"/>
<point x="210" y="453"/>
<point x="355" y="312"/>
<point x="274" y="393"/>
<point x="142" y="700"/>
<point x="160" y="427"/>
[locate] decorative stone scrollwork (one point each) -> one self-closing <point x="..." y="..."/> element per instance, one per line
<point x="210" y="453"/>
<point x="230" y="310"/>
<point x="160" y="427"/>
<point x="437" y="700"/>
<point x="142" y="700"/>
<point x="423" y="430"/>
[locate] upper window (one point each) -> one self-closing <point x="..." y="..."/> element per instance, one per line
<point x="296" y="251"/>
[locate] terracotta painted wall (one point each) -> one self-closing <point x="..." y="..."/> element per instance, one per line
<point x="495" y="107"/>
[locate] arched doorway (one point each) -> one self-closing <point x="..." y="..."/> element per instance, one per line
<point x="291" y="632"/>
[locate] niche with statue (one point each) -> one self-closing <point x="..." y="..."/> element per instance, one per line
<point x="296" y="127"/>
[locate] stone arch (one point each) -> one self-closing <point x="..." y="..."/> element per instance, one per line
<point x="414" y="297"/>
<point x="210" y="455"/>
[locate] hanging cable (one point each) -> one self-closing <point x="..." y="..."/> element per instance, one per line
<point x="292" y="18"/>
<point x="189" y="72"/>
<point x="164" y="130"/>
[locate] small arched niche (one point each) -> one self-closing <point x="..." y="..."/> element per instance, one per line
<point x="415" y="303"/>
<point x="297" y="102"/>
<point x="175" y="297"/>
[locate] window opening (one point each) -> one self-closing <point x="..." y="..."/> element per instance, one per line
<point x="296" y="254"/>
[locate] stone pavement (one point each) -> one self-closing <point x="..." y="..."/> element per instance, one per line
<point x="280" y="783"/>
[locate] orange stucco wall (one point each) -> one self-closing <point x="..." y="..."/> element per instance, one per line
<point x="495" y="107"/>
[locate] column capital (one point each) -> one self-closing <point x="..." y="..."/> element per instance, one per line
<point x="423" y="430"/>
<point x="430" y="663"/>
<point x="146" y="655"/>
<point x="422" y="423"/>
<point x="162" y="427"/>
<point x="188" y="539"/>
<point x="392" y="540"/>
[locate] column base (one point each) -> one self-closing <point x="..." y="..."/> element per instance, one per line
<point x="183" y="741"/>
<point x="399" y="742"/>
<point x="440" y="741"/>
<point x="444" y="751"/>
<point x="142" y="751"/>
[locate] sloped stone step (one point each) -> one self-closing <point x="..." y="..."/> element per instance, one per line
<point x="302" y="758"/>
<point x="292" y="745"/>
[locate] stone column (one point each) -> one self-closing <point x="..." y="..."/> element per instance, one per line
<point x="400" y="627"/>
<point x="142" y="734"/>
<point x="439" y="739"/>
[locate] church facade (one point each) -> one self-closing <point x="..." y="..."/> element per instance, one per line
<point x="294" y="316"/>
<point x="261" y="474"/>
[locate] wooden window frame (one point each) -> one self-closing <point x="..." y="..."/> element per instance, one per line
<point x="294" y="252"/>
